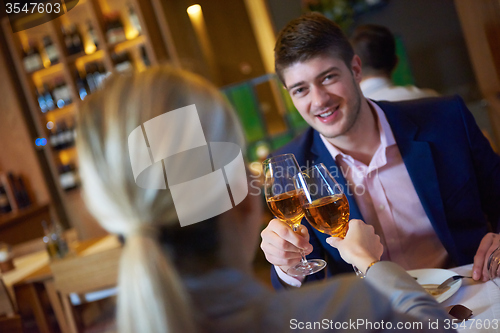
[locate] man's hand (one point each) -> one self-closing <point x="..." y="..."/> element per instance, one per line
<point x="360" y="247"/>
<point x="489" y="243"/>
<point x="282" y="246"/>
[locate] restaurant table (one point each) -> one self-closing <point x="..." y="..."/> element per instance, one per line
<point x="483" y="298"/>
<point x="34" y="268"/>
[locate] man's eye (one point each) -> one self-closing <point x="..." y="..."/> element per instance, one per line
<point x="329" y="77"/>
<point x="298" y="91"/>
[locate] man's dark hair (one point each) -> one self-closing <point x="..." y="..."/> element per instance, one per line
<point x="309" y="36"/>
<point x="376" y="47"/>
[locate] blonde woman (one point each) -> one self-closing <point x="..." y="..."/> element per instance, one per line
<point x="198" y="278"/>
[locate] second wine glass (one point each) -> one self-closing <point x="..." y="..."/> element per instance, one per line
<point x="283" y="201"/>
<point x="324" y="203"/>
<point x="494" y="267"/>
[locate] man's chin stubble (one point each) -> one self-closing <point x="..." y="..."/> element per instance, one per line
<point x="351" y="125"/>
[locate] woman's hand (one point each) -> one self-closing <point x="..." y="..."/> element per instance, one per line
<point x="360" y="247"/>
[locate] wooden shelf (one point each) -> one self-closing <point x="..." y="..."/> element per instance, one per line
<point x="128" y="44"/>
<point x="24" y="224"/>
<point x="64" y="112"/>
<point x="67" y="155"/>
<point x="48" y="70"/>
<point x="74" y="57"/>
<point x="67" y="149"/>
<point x="85" y="12"/>
<point x="81" y="61"/>
<point x="42" y="75"/>
<point x="12" y="217"/>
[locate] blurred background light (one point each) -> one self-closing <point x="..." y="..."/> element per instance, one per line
<point x="194" y="10"/>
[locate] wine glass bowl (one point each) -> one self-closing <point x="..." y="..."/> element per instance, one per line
<point x="323" y="200"/>
<point x="329" y="215"/>
<point x="286" y="207"/>
<point x="324" y="203"/>
<point x="494" y="267"/>
<point x="283" y="201"/>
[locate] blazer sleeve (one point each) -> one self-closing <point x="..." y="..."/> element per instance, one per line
<point x="487" y="168"/>
<point x="387" y="295"/>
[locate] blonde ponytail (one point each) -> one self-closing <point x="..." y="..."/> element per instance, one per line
<point x="152" y="297"/>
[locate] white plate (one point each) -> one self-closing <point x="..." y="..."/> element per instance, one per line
<point x="436" y="276"/>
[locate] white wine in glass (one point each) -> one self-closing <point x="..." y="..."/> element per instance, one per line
<point x="283" y="201"/>
<point x="324" y="202"/>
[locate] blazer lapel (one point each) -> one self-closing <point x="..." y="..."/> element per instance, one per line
<point x="323" y="156"/>
<point x="417" y="157"/>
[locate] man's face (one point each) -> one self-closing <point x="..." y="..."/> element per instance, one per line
<point x="326" y="93"/>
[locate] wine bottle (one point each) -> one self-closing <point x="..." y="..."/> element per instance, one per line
<point x="5" y="181"/>
<point x="68" y="40"/>
<point x="32" y="59"/>
<point x="91" y="34"/>
<point x="41" y="100"/>
<point x="115" y="32"/>
<point x="81" y="86"/>
<point x="5" y="206"/>
<point x="76" y="39"/>
<point x="145" y="58"/>
<point x="134" y="19"/>
<point x="68" y="177"/>
<point x="54" y="139"/>
<point x="62" y="94"/>
<point x="24" y="195"/>
<point x="47" y="95"/>
<point x="122" y="62"/>
<point x="50" y="50"/>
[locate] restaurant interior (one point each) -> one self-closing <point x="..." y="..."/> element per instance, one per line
<point x="49" y="65"/>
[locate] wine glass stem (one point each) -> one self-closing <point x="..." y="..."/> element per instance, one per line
<point x="302" y="254"/>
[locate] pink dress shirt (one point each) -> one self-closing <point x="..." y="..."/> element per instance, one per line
<point x="388" y="201"/>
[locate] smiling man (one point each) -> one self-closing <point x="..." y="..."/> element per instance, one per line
<point x="420" y="172"/>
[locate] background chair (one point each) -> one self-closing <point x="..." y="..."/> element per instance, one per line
<point x="81" y="275"/>
<point x="10" y="321"/>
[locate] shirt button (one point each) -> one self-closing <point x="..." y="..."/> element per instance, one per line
<point x="382" y="207"/>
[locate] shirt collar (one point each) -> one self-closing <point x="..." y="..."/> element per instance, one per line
<point x="386" y="135"/>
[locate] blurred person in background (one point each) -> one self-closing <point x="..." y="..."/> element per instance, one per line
<point x="420" y="172"/>
<point x="198" y="278"/>
<point x="376" y="47"/>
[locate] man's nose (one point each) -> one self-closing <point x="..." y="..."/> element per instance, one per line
<point x="320" y="97"/>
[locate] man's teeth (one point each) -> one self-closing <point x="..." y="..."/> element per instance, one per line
<point x="324" y="115"/>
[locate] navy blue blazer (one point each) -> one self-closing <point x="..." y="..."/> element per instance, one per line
<point x="453" y="168"/>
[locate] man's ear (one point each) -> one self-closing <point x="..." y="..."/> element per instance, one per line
<point x="356" y="68"/>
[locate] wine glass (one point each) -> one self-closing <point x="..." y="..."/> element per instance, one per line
<point x="283" y="201"/>
<point x="494" y="267"/>
<point x="324" y="203"/>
